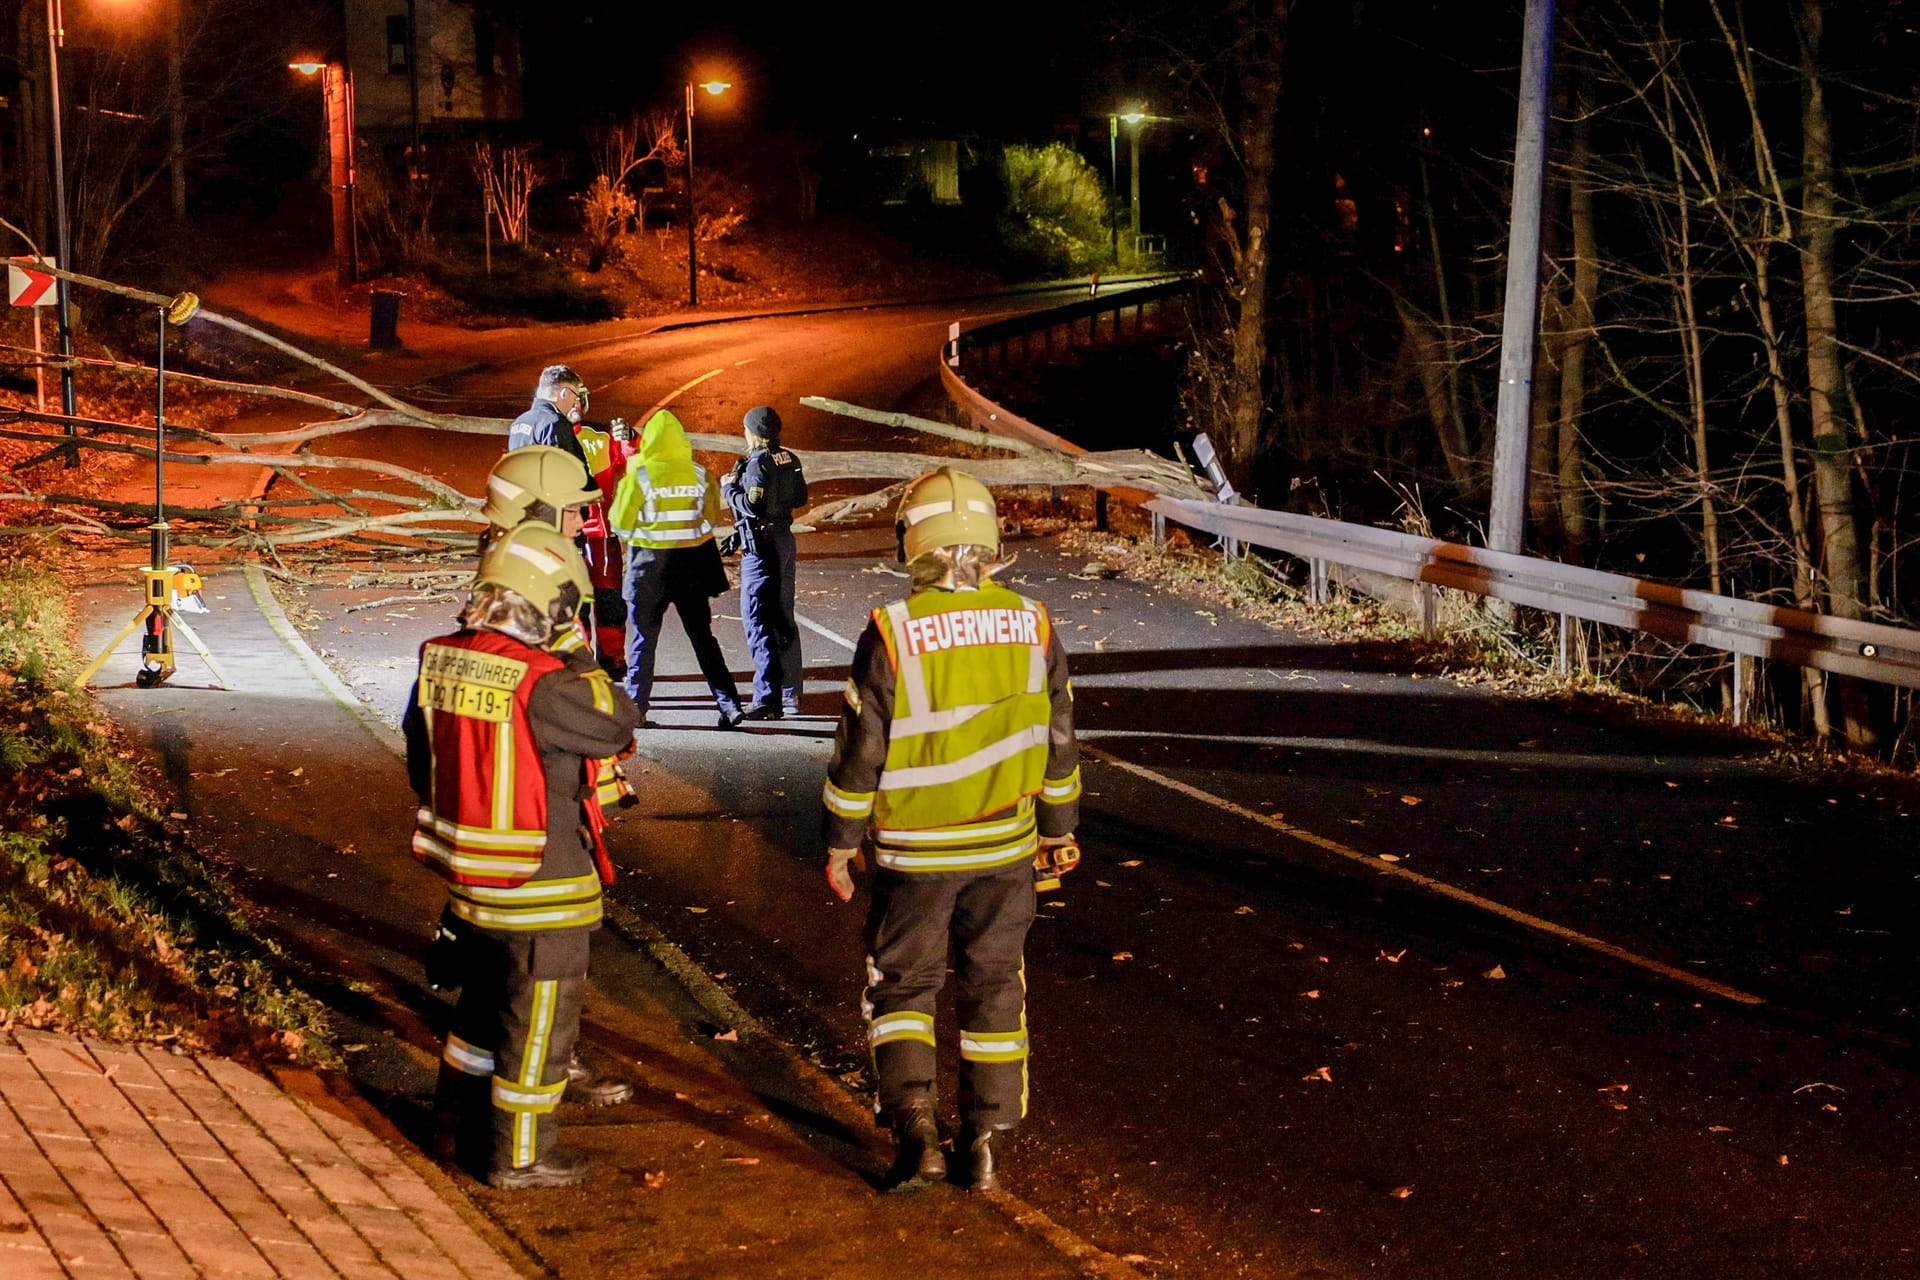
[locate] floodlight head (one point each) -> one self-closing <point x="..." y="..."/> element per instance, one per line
<point x="183" y="307"/>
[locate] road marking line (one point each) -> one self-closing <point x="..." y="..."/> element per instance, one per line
<point x="748" y="360"/>
<point x="1440" y="887"/>
<point x="1513" y="759"/>
<point x="834" y="636"/>
<point x="677" y="392"/>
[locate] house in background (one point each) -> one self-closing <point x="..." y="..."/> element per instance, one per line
<point x="468" y="66"/>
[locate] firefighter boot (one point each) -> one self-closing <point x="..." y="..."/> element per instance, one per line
<point x="919" y="1162"/>
<point x="558" y="1168"/>
<point x="982" y="1154"/>
<point x="461" y="1112"/>
<point x="584" y="1084"/>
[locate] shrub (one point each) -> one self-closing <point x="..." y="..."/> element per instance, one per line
<point x="523" y="282"/>
<point x="1055" y="220"/>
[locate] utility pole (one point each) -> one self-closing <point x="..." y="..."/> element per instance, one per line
<point x="63" y="237"/>
<point x="693" y="267"/>
<point x="176" y="112"/>
<point x="1133" y="181"/>
<point x="414" y="160"/>
<point x="1506" y="523"/>
<point x="1113" y="183"/>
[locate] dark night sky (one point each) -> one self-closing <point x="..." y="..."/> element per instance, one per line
<point x="987" y="64"/>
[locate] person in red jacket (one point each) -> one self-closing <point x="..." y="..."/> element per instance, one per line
<point x="499" y="729"/>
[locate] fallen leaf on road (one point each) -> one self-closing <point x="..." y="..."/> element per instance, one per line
<point x="1123" y="955"/>
<point x="1495" y="972"/>
<point x="729" y="1035"/>
<point x="1453" y="982"/>
<point x="1103" y="884"/>
<point x="1392" y="957"/>
<point x="1718" y="1128"/>
<point x="1131" y="862"/>
<point x="1389" y="857"/>
<point x="1324" y="1073"/>
<point x="1614" y="1088"/>
<point x="297" y="772"/>
<point x="1243" y="911"/>
<point x="1312" y="995"/>
<point x="1401" y="1193"/>
<point x="1409" y="799"/>
<point x="178" y="816"/>
<point x="1783" y="1162"/>
<point x="698" y="911"/>
<point x="1135" y="1259"/>
<point x="653" y="1180"/>
<point x="217" y="773"/>
<point x="739" y="1159"/>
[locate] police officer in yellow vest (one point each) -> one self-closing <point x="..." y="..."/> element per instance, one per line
<point x="956" y="756"/>
<point x="498" y="732"/>
<point x="664" y="508"/>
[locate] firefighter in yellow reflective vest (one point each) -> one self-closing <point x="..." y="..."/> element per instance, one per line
<point x="956" y="756"/>
<point x="498" y="732"/>
<point x="664" y="508"/>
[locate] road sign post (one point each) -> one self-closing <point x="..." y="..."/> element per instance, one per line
<point x="29" y="288"/>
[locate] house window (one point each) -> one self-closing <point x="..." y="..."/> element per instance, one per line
<point x="397" y="45"/>
<point x="484" y="58"/>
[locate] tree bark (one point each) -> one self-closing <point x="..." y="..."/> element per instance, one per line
<point x="1263" y="40"/>
<point x="1578" y="335"/>
<point x="1832" y="470"/>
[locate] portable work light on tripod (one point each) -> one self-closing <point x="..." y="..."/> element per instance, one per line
<point x="166" y="582"/>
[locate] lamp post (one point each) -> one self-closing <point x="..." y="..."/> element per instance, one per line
<point x="1113" y="184"/>
<point x="63" y="241"/>
<point x="1136" y="118"/>
<point x="336" y="88"/>
<point x="714" y="88"/>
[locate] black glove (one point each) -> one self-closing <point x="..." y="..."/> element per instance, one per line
<point x="730" y="543"/>
<point x="445" y="958"/>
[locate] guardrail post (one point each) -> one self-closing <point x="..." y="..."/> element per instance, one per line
<point x="953" y="344"/>
<point x="1159" y="532"/>
<point x="1739" y="689"/>
<point x="1316" y="581"/>
<point x="1100" y="510"/>
<point x="1560" y="653"/>
<point x="1429" y="609"/>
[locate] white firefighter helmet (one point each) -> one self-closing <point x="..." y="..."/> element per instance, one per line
<point x="536" y="482"/>
<point x="537" y="563"/>
<point x="946" y="508"/>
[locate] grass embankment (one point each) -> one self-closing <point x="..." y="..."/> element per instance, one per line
<point x="110" y="923"/>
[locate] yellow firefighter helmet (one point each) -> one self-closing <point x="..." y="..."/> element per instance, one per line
<point x="536" y="482"/>
<point x="946" y="508"/>
<point x="538" y="563"/>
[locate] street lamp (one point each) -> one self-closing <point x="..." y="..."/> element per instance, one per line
<point x="714" y="88"/>
<point x="337" y="94"/>
<point x="1136" y="118"/>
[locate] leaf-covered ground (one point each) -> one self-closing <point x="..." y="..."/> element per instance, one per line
<point x="110" y="923"/>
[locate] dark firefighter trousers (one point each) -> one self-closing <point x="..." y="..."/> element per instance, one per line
<point x="914" y="918"/>
<point x="766" y="613"/>
<point x="652" y="584"/>
<point x="505" y="1062"/>
<point x="607" y="573"/>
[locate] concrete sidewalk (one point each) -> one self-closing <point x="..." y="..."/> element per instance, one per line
<point x="133" y="1161"/>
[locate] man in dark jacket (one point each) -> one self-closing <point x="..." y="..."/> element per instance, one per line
<point x="559" y="405"/>
<point x="764" y="489"/>
<point x="503" y="821"/>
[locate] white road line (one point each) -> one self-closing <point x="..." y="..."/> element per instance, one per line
<point x="813" y="626"/>
<point x="1513" y="759"/>
<point x="748" y="360"/>
<point x="1552" y="930"/>
<point x="677" y="392"/>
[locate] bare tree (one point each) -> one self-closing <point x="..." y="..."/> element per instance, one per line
<point x="509" y="177"/>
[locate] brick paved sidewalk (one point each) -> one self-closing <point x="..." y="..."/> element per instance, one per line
<point x="121" y="1160"/>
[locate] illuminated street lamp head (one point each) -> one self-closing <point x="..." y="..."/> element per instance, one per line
<point x="307" y="68"/>
<point x="716" y="87"/>
<point x="1133" y="116"/>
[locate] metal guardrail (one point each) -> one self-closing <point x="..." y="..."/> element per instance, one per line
<point x="1745" y="628"/>
<point x="995" y="338"/>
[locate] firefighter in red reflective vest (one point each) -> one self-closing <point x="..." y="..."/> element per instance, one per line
<point x="956" y="757"/>
<point x="540" y="484"/>
<point x="498" y="732"/>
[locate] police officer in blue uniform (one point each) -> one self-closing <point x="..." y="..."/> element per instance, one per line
<point x="764" y="489"/>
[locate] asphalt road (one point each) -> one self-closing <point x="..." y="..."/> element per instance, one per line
<point x="1647" y="1013"/>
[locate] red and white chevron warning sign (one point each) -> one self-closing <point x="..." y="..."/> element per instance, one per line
<point x="27" y="287"/>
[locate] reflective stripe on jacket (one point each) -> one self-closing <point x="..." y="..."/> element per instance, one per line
<point x="484" y="822"/>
